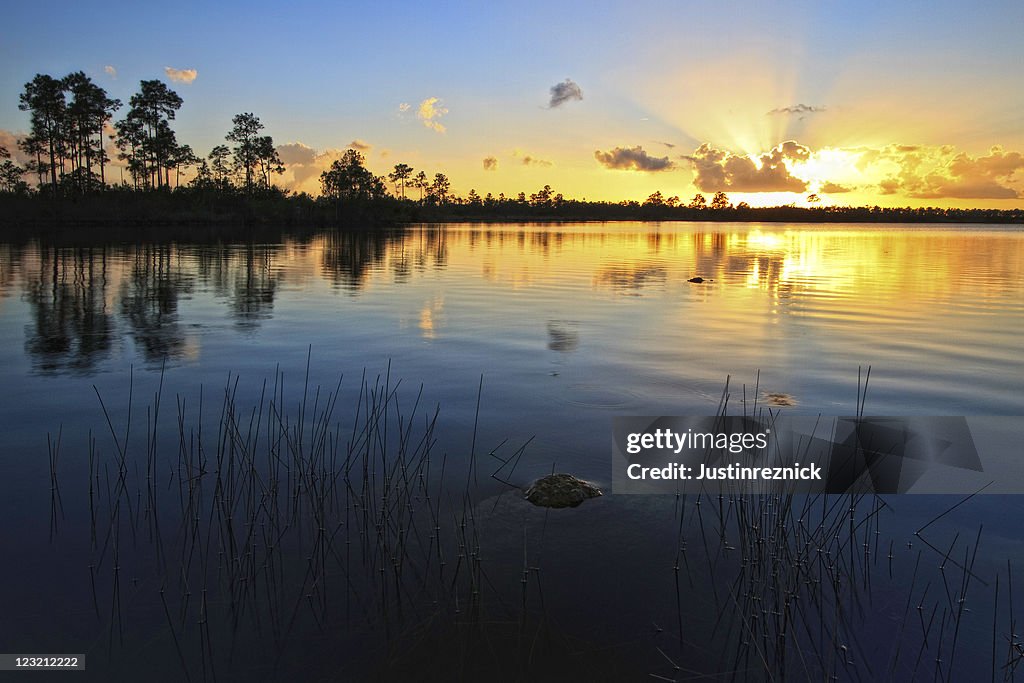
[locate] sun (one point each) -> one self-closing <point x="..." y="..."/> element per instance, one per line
<point x="829" y="168"/>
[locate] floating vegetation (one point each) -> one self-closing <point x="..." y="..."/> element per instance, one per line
<point x="777" y="398"/>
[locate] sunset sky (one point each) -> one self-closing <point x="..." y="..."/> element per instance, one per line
<point x="917" y="104"/>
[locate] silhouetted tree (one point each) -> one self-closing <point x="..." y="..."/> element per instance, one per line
<point x="656" y="199"/>
<point x="34" y="147"/>
<point x="349" y="180"/>
<point x="44" y="98"/>
<point x="421" y="183"/>
<point x="699" y="202"/>
<point x="542" y="197"/>
<point x="183" y="158"/>
<point x="245" y="134"/>
<point x="269" y="160"/>
<point x="145" y="136"/>
<point x="440" y="188"/>
<point x="86" y="116"/>
<point x="720" y="201"/>
<point x="399" y="177"/>
<point x="219" y="168"/>
<point x="10" y="174"/>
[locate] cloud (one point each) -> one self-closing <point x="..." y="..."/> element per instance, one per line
<point x="404" y="107"/>
<point x="490" y="164"/>
<point x="834" y="188"/>
<point x="360" y="145"/>
<point x="528" y="160"/>
<point x="670" y="145"/>
<point x="533" y="161"/>
<point x="9" y="141"/>
<point x="181" y="75"/>
<point x="889" y="186"/>
<point x="563" y="92"/>
<point x="798" y="109"/>
<point x="944" y="172"/>
<point x="296" y="153"/>
<point x="718" y="171"/>
<point x="632" y="159"/>
<point x="111" y="71"/>
<point x="997" y="164"/>
<point x="958" y="188"/>
<point x="429" y="111"/>
<point x="303" y="166"/>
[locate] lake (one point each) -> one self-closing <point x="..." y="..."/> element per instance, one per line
<point x="527" y="340"/>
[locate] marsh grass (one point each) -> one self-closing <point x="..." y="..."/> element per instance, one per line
<point x="323" y="534"/>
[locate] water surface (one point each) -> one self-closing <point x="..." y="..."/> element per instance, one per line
<point x="566" y="325"/>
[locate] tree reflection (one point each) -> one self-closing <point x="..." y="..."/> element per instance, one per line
<point x="630" y="278"/>
<point x="562" y="336"/>
<point x="71" y="328"/>
<point x="149" y="301"/>
<point x="255" y="285"/>
<point x="350" y="257"/>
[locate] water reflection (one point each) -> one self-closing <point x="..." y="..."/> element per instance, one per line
<point x="255" y="285"/>
<point x="562" y="336"/>
<point x="774" y="297"/>
<point x="149" y="301"/>
<point x="71" y="325"/>
<point x="629" y="279"/>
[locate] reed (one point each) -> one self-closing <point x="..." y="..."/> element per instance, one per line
<point x="329" y="514"/>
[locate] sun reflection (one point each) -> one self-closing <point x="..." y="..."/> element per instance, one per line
<point x="430" y="318"/>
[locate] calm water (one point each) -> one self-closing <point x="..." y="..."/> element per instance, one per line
<point x="567" y="325"/>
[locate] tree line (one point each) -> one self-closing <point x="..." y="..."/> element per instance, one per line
<point x="72" y="117"/>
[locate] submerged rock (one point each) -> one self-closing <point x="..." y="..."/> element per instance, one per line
<point x="697" y="279"/>
<point x="560" y="491"/>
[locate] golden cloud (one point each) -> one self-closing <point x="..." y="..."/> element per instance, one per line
<point x="943" y="172"/>
<point x="429" y="111"/>
<point x="303" y="166"/>
<point x="185" y="76"/>
<point x="717" y="170"/>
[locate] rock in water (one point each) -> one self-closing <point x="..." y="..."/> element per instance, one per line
<point x="697" y="279"/>
<point x="560" y="491"/>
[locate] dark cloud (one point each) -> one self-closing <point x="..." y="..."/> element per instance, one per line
<point x="834" y="188"/>
<point x="632" y="159"/>
<point x="719" y="171"/>
<point x="889" y="186"/>
<point x="534" y="161"/>
<point x="798" y="109"/>
<point x="490" y="164"/>
<point x="564" y="92"/>
<point x="360" y="146"/>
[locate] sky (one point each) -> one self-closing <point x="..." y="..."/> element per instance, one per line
<point x="870" y="103"/>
